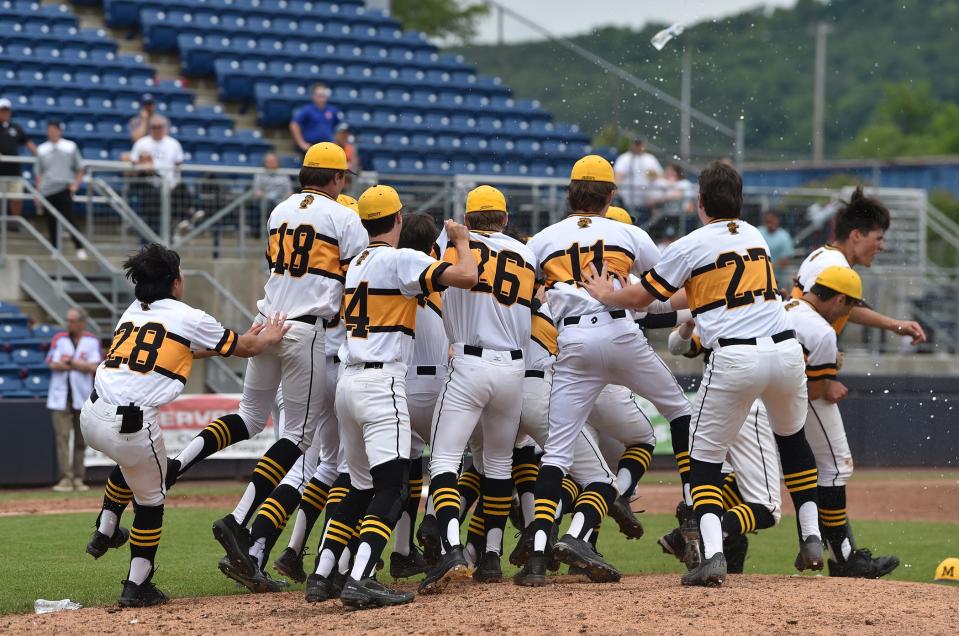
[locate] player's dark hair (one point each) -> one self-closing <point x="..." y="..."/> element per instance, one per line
<point x="419" y="232"/>
<point x="317" y="177"/>
<point x="861" y="213"/>
<point x="152" y="271"/>
<point x="487" y="221"/>
<point x="588" y="196"/>
<point x="380" y="226"/>
<point x="721" y="189"/>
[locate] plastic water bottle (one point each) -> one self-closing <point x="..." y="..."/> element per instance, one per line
<point x="663" y="37"/>
<point x="43" y="606"/>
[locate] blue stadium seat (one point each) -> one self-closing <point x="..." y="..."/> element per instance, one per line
<point x="44" y="333"/>
<point x="26" y="357"/>
<point x="37" y="382"/>
<point x="10" y="387"/>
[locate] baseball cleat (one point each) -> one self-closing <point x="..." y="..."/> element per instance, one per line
<point x="403" y="566"/>
<point x="368" y="593"/>
<point x="428" y="534"/>
<point x="573" y="551"/>
<point x="734" y="548"/>
<point x="533" y="573"/>
<point x="259" y="583"/>
<point x="319" y="588"/>
<point x="862" y="565"/>
<point x="622" y="513"/>
<point x="810" y="554"/>
<point x="451" y="565"/>
<point x="99" y="543"/>
<point x="710" y="573"/>
<point x="290" y="565"/>
<point x="692" y="555"/>
<point x="172" y="472"/>
<point x="552" y="561"/>
<point x="235" y="539"/>
<point x="575" y="570"/>
<point x="673" y="543"/>
<point x="489" y="569"/>
<point x="524" y="547"/>
<point x="143" y="595"/>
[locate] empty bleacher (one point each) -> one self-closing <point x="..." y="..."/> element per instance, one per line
<point x="23" y="369"/>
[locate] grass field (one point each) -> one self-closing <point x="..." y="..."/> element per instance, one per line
<point x="44" y="554"/>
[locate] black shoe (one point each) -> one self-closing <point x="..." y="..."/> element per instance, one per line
<point x="710" y="573"/>
<point x="451" y="565"/>
<point x="489" y="569"/>
<point x="428" y="534"/>
<point x="533" y="573"/>
<point x="524" y="547"/>
<point x="259" y="583"/>
<point x="403" y="566"/>
<point x="575" y="570"/>
<point x="235" y="539"/>
<point x="862" y="565"/>
<point x="99" y="543"/>
<point x="673" y="543"/>
<point x="143" y="595"/>
<point x="290" y="565"/>
<point x="692" y="555"/>
<point x="810" y="554"/>
<point x="172" y="471"/>
<point x="622" y="513"/>
<point x="516" y="514"/>
<point x="552" y="561"/>
<point x="734" y="549"/>
<point x="573" y="551"/>
<point x="369" y="593"/>
<point x="319" y="588"/>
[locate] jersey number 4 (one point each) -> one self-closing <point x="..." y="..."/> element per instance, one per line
<point x="356" y="316"/>
<point x="146" y="347"/>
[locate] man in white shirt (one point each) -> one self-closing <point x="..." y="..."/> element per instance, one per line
<point x="635" y="171"/>
<point x="157" y="158"/>
<point x="73" y="359"/>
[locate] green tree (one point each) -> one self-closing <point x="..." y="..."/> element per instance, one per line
<point x="440" y="18"/>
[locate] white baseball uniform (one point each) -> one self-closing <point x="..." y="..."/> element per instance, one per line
<point x="146" y="367"/>
<point x="488" y="327"/>
<point x="380" y="304"/>
<point x="427" y="372"/>
<point x="824" y="428"/>
<point x="812" y="267"/>
<point x="727" y="272"/>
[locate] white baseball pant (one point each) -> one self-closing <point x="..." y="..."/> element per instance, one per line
<point x="755" y="458"/>
<point x="423" y="386"/>
<point x="827" y="438"/>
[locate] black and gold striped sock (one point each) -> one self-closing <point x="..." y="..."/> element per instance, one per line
<point x="267" y="475"/>
<point x="218" y="434"/>
<point x="593" y="503"/>
<point x="116" y="495"/>
<point x="833" y="521"/>
<point x="338" y="492"/>
<point x="468" y="486"/>
<point x="312" y="503"/>
<point x="635" y="459"/>
<point x="800" y="476"/>
<point x="594" y="537"/>
<point x="747" y="517"/>
<point x="340" y="529"/>
<point x="679" y="432"/>
<point x="525" y="469"/>
<point x="731" y="495"/>
<point x="144" y="539"/>
<point x="446" y="505"/>
<point x="270" y="520"/>
<point x="374" y="532"/>
<point x="568" y="496"/>
<point x="549" y="490"/>
<point x="706" y="480"/>
<point x="496" y="502"/>
<point x="390" y="490"/>
<point x="476" y="530"/>
<point x="412" y="507"/>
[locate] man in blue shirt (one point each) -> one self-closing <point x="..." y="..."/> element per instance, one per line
<point x="315" y="122"/>
<point x="780" y="243"/>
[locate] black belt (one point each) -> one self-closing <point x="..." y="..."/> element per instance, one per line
<point x="779" y="337"/>
<point x="470" y="350"/>
<point x="532" y="373"/>
<point x="425" y="370"/>
<point x="336" y="359"/>
<point x="372" y="365"/>
<point x="132" y="416"/>
<point x="574" y="320"/>
<point x="312" y="320"/>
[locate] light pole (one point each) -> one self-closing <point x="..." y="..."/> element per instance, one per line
<point x="819" y="93"/>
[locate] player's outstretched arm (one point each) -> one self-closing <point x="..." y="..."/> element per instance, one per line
<point x="464" y="274"/>
<point x="872" y="318"/>
<point x="829" y="390"/>
<point x="600" y="286"/>
<point x="261" y="336"/>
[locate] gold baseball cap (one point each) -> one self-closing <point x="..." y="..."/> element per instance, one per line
<point x="348" y="201"/>
<point x="843" y="280"/>
<point x="592" y="168"/>
<point x="619" y="214"/>
<point x="485" y="199"/>
<point x="326" y="155"/>
<point x="948" y="570"/>
<point x="377" y="202"/>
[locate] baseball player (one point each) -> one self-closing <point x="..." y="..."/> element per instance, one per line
<point x="837" y="290"/>
<point x="860" y="231"/>
<point x="726" y="272"/>
<point x="146" y="367"/>
<point x="382" y="286"/>
<point x="488" y="326"/>
<point x="597" y="346"/>
<point x="312" y="239"/>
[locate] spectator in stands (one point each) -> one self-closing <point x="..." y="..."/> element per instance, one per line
<point x="780" y="243"/>
<point x="59" y="171"/>
<point x="158" y="155"/>
<point x="316" y="121"/>
<point x="139" y="125"/>
<point x="73" y="360"/>
<point x="270" y="186"/>
<point x="12" y="137"/>
<point x="636" y="170"/>
<point x="673" y="187"/>
<point x="342" y="139"/>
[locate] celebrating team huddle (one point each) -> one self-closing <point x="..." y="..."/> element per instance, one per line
<point x="379" y="335"/>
